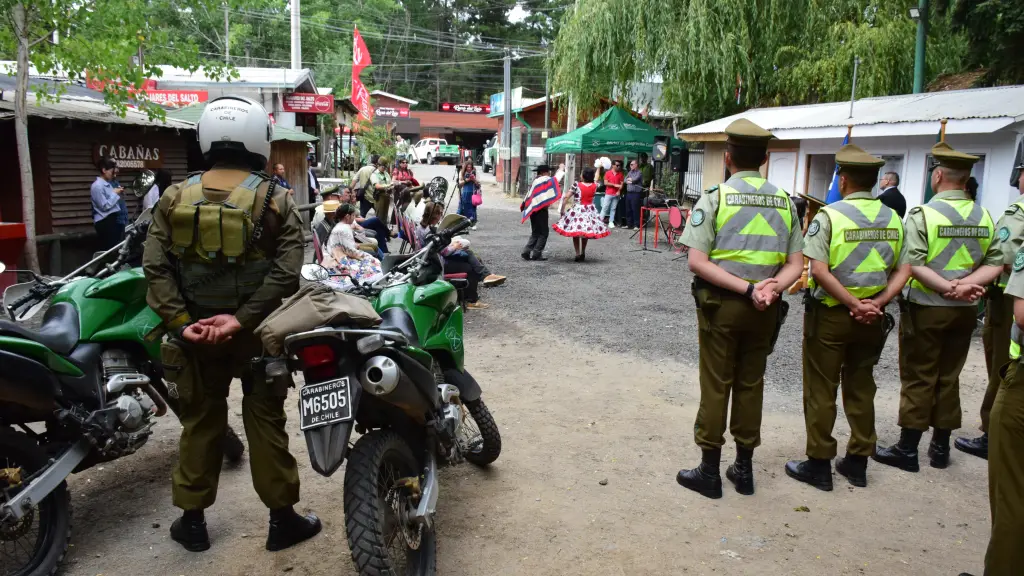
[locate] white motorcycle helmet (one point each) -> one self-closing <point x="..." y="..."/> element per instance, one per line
<point x="235" y="128"/>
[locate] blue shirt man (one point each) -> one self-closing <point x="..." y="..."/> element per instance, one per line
<point x="106" y="205"/>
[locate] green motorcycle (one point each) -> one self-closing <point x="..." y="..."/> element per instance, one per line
<point x="89" y="381"/>
<point x="403" y="386"/>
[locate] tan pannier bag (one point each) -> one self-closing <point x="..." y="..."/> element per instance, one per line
<point x="313" y="306"/>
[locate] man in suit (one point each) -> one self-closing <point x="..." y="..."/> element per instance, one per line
<point x="891" y="195"/>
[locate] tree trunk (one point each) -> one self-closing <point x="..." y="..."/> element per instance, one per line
<point x="28" y="193"/>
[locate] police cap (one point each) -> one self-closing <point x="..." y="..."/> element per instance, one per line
<point x="743" y="132"/>
<point x="853" y="156"/>
<point x="949" y="157"/>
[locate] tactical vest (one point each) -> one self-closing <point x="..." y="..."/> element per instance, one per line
<point x="956" y="245"/>
<point x="1004" y="277"/>
<point x="752" y="226"/>
<point x="218" y="267"/>
<point x="1016" y="337"/>
<point x="866" y="240"/>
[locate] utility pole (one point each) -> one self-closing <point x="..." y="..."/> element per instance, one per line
<point x="296" y="36"/>
<point x="919" y="48"/>
<point x="248" y="53"/>
<point x="547" y="103"/>
<point x="227" y="36"/>
<point x="853" y="92"/>
<point x="506" y="126"/>
<point x="570" y="125"/>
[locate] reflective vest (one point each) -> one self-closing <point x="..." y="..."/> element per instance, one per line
<point x="217" y="267"/>
<point x="959" y="233"/>
<point x="1016" y="336"/>
<point x="1005" y="276"/>
<point x="866" y="240"/>
<point x="752" y="228"/>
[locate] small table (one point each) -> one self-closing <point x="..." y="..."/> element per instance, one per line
<point x="656" y="212"/>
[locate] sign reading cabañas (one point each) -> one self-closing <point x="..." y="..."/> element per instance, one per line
<point x="129" y="155"/>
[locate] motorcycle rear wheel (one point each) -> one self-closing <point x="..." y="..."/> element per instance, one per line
<point x="381" y="542"/>
<point x="51" y="518"/>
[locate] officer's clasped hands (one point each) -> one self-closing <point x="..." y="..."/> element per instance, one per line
<point x="964" y="292"/>
<point x="764" y="294"/>
<point x="213" y="330"/>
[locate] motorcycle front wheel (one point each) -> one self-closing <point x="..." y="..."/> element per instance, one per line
<point x="378" y="502"/>
<point x="35" y="544"/>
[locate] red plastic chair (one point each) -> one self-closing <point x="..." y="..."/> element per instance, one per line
<point x="677" y="219"/>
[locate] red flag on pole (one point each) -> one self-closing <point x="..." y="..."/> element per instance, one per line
<point x="360" y="59"/>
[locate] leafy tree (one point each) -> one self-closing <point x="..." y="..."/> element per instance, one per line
<point x="720" y="56"/>
<point x="995" y="29"/>
<point x="94" y="38"/>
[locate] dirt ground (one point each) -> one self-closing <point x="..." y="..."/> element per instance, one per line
<point x="569" y="419"/>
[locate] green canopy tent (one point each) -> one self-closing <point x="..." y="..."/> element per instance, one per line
<point x="614" y="132"/>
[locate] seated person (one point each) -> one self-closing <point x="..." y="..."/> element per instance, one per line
<point x="371" y="227"/>
<point x="329" y="193"/>
<point x="342" y="255"/>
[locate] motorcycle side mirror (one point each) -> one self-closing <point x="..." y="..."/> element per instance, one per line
<point x="450" y="221"/>
<point x="143" y="182"/>
<point x="314" y="272"/>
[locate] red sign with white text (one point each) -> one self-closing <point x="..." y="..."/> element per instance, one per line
<point x="177" y="97"/>
<point x="466" y="108"/>
<point x="391" y="112"/>
<point x="308" y="103"/>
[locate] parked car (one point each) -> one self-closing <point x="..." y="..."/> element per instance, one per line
<point x="434" y="150"/>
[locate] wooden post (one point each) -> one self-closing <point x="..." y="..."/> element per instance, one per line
<point x="942" y="131"/>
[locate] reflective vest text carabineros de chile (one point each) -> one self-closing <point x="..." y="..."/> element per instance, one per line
<point x="959" y="234"/>
<point x="867" y="237"/>
<point x="753" y="225"/>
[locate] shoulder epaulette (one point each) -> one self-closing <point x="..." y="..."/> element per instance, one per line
<point x="914" y="210"/>
<point x="1013" y="209"/>
<point x="712" y="189"/>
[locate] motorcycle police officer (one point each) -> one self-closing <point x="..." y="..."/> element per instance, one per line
<point x="998" y="314"/>
<point x="952" y="256"/>
<point x="745" y="249"/>
<point x="224" y="247"/>
<point x="858" y="264"/>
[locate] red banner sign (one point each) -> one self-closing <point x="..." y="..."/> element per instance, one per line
<point x="360" y="59"/>
<point x="308" y="103"/>
<point x="466" y="108"/>
<point x="177" y="97"/>
<point x="391" y="112"/>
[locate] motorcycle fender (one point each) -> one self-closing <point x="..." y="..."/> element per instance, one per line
<point x="328" y="445"/>
<point x="469" y="389"/>
<point x="35" y="387"/>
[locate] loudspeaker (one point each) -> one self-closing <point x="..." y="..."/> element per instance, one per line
<point x="661" y="148"/>
<point x="680" y="160"/>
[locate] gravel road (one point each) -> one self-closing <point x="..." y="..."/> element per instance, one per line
<point x="589" y="370"/>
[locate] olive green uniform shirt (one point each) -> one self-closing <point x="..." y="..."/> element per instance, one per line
<point x="700" y="235"/>
<point x="379" y="177"/>
<point x="1015" y="285"/>
<point x="916" y="240"/>
<point x="817" y="246"/>
<point x="1010" y="235"/>
<point x="282" y="243"/>
<point x="362" y="177"/>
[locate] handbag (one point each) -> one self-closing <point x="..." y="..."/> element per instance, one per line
<point x="477" y="199"/>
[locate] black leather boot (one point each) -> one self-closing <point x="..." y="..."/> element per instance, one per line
<point x="938" y="449"/>
<point x="706" y="478"/>
<point x="287" y="528"/>
<point x="903" y="454"/>
<point x="814" y="471"/>
<point x="741" y="473"/>
<point x="973" y="446"/>
<point x="190" y="531"/>
<point x="854" y="468"/>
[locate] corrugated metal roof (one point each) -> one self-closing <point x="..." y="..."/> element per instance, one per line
<point x="1000" y="102"/>
<point x="247" y="76"/>
<point x="408" y="101"/>
<point x="192" y="113"/>
<point x="86" y="109"/>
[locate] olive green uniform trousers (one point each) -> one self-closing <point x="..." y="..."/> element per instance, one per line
<point x="1005" y="555"/>
<point x="381" y="205"/>
<point x="735" y="341"/>
<point x="838" y="350"/>
<point x="996" y="337"/>
<point x="934" y="341"/>
<point x="202" y="377"/>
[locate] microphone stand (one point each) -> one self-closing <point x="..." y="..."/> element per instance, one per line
<point x="643" y="225"/>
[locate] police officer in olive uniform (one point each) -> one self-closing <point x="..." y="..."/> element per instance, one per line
<point x="224" y="247"/>
<point x="745" y="249"/>
<point x="858" y="264"/>
<point x="1005" y="554"/>
<point x="950" y="243"/>
<point x="998" y="315"/>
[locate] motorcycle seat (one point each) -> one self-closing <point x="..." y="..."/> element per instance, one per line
<point x="399" y="320"/>
<point x="59" y="330"/>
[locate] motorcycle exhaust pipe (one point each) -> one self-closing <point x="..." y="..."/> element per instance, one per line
<point x="381" y="376"/>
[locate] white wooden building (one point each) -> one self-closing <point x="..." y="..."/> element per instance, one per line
<point x="988" y="122"/>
